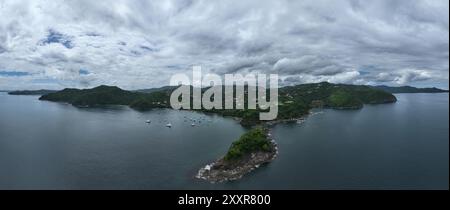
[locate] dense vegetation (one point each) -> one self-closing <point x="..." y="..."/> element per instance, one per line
<point x="31" y="92"/>
<point x="252" y="141"/>
<point x="101" y="95"/>
<point x="294" y="101"/>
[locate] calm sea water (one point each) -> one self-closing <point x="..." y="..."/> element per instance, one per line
<point x="45" y="145"/>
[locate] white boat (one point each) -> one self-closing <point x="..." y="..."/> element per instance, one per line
<point x="148" y="121"/>
<point x="193" y="124"/>
<point x="169" y="125"/>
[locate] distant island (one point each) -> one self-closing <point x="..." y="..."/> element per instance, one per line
<point x="409" y="89"/>
<point x="31" y="92"/>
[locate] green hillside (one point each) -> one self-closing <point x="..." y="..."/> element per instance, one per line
<point x="294" y="101"/>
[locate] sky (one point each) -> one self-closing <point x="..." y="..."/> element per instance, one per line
<point x="135" y="44"/>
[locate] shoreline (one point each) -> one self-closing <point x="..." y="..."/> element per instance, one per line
<point x="213" y="172"/>
<point x="220" y="171"/>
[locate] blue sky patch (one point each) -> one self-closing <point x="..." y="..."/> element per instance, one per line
<point x="83" y="72"/>
<point x="56" y="37"/>
<point x="14" y="73"/>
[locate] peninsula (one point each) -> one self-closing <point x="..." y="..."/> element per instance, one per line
<point x="253" y="149"/>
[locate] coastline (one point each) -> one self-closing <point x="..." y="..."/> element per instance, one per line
<point x="216" y="173"/>
<point x="225" y="169"/>
<point x="221" y="171"/>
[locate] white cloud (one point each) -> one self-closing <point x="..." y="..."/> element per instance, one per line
<point x="346" y="77"/>
<point x="140" y="43"/>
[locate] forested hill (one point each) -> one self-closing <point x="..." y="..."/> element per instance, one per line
<point x="294" y="101"/>
<point x="31" y="92"/>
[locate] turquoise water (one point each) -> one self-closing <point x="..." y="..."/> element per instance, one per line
<point x="45" y="145"/>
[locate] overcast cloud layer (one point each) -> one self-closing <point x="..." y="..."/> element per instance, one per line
<point x="140" y="44"/>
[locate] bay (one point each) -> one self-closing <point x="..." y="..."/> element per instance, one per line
<point x="45" y="145"/>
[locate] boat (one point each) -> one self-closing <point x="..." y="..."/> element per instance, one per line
<point x="193" y="124"/>
<point x="169" y="125"/>
<point x="148" y="121"/>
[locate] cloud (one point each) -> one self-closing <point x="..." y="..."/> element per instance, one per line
<point x="340" y="78"/>
<point x="309" y="64"/>
<point x="345" y="77"/>
<point x="141" y="44"/>
<point x="405" y="76"/>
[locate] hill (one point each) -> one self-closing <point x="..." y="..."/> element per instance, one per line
<point x="101" y="95"/>
<point x="409" y="89"/>
<point x="294" y="101"/>
<point x="152" y="90"/>
<point x="31" y="92"/>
